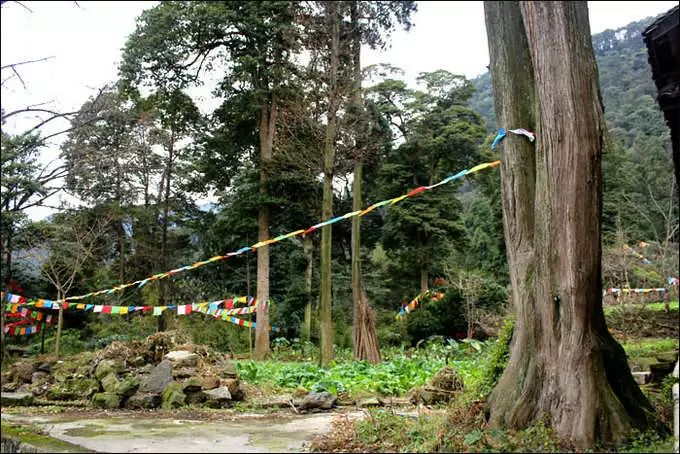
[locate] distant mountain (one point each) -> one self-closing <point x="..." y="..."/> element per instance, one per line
<point x="626" y="84"/>
<point x="637" y="169"/>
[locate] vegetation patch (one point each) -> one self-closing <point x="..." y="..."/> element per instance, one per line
<point x="38" y="438"/>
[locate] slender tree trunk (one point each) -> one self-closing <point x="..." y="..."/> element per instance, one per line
<point x="267" y="130"/>
<point x="366" y="345"/>
<point x="60" y="323"/>
<point x="563" y="363"/>
<point x="325" y="303"/>
<point x="308" y="246"/>
<point x="162" y="320"/>
<point x="364" y="337"/>
<point x="424" y="264"/>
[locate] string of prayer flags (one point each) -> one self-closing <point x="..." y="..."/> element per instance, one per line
<point x="523" y="132"/>
<point x="500" y="136"/>
<point x="185" y="309"/>
<point x="408" y="308"/>
<point x="610" y="291"/>
<point x="12" y="312"/>
<point x="14" y="330"/>
<point x="502" y="133"/>
<point x="141" y="282"/>
<point x="247" y="323"/>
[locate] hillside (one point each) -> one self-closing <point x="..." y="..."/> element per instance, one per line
<point x="625" y="81"/>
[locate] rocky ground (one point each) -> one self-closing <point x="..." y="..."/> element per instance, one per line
<point x="164" y="370"/>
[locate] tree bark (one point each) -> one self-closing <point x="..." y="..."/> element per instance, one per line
<point x="325" y="303"/>
<point x="308" y="247"/>
<point x="267" y="130"/>
<point x="563" y="363"/>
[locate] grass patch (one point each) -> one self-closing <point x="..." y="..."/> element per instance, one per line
<point x="653" y="307"/>
<point x="649" y="347"/>
<point x="35" y="437"/>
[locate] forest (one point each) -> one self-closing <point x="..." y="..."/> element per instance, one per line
<point x="185" y="215"/>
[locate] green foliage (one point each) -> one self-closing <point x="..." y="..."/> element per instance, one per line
<point x="497" y="357"/>
<point x="400" y="372"/>
<point x="649" y="347"/>
<point x="398" y="433"/>
<point x="71" y="342"/>
<point x="648" y="442"/>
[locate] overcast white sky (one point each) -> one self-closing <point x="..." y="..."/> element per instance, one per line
<point x="85" y="42"/>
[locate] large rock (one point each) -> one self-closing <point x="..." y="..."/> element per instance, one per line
<point x="211" y="382"/>
<point x="218" y="397"/>
<point x="184" y="372"/>
<point x="143" y="400"/>
<point x="22" y="371"/>
<point x="323" y="400"/>
<point x="106" y="400"/>
<point x="107" y="367"/>
<point x="110" y="383"/>
<point x="227" y="369"/>
<point x="173" y="397"/>
<point x="73" y="389"/>
<point x="137" y="361"/>
<point x="127" y="386"/>
<point x="196" y="398"/>
<point x="159" y="378"/>
<point x="232" y="384"/>
<point x="182" y="358"/>
<point x="14" y="399"/>
<point x="38" y="377"/>
<point x="191" y="385"/>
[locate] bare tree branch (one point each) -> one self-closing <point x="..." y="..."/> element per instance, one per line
<point x="13" y="65"/>
<point x="16" y="73"/>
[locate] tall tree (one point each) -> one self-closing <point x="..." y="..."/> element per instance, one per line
<point x="252" y="42"/>
<point x="99" y="157"/>
<point x="333" y="17"/>
<point x="381" y="18"/>
<point x="441" y="134"/>
<point x="545" y="79"/>
<point x="179" y="117"/>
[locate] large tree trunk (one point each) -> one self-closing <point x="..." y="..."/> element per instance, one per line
<point x="308" y="247"/>
<point x="325" y="302"/>
<point x="267" y="129"/>
<point x="364" y="337"/>
<point x="162" y="320"/>
<point x="563" y="363"/>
